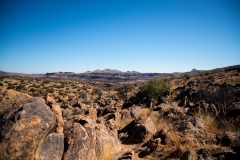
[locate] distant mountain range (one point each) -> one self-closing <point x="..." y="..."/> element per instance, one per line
<point x="116" y="75"/>
<point x="114" y="71"/>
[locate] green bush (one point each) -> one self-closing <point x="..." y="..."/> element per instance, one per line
<point x="97" y="92"/>
<point x="86" y="102"/>
<point x="32" y="90"/>
<point x="211" y="77"/>
<point x="155" y="88"/>
<point x="49" y="90"/>
<point x="10" y="86"/>
<point x="124" y="89"/>
<point x="20" y="87"/>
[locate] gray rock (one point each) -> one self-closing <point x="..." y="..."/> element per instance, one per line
<point x="52" y="147"/>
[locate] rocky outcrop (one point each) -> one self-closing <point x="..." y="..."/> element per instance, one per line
<point x="137" y="131"/>
<point x="11" y="101"/>
<point x="85" y="139"/>
<point x="52" y="147"/>
<point x="218" y="99"/>
<point x="79" y="139"/>
<point x="23" y="134"/>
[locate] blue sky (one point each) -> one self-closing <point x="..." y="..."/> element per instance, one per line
<point x="147" y="36"/>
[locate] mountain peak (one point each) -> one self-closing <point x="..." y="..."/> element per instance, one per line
<point x="193" y="70"/>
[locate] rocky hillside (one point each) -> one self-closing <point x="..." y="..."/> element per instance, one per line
<point x="195" y="116"/>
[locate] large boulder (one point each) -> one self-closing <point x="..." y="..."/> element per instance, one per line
<point x="52" y="147"/>
<point x="11" y="101"/>
<point x="107" y="143"/>
<point x="23" y="133"/>
<point x="135" y="111"/>
<point x="84" y="139"/>
<point x="137" y="131"/>
<point x="79" y="139"/>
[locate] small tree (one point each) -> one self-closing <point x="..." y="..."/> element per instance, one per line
<point x="125" y="88"/>
<point x="155" y="88"/>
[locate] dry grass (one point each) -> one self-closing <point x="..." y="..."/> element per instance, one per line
<point x="145" y="112"/>
<point x="210" y="124"/>
<point x="177" y="143"/>
<point x="106" y="152"/>
<point x="160" y="122"/>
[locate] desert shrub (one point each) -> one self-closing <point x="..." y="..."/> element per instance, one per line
<point x="36" y="94"/>
<point x="1" y="84"/>
<point x="20" y="87"/>
<point x="84" y="88"/>
<point x="75" y="112"/>
<point x="49" y="90"/>
<point x="86" y="102"/>
<point x="211" y="77"/>
<point x="37" y="86"/>
<point x="155" y="88"/>
<point x="32" y="90"/>
<point x="97" y="92"/>
<point x="82" y="95"/>
<point x="10" y="86"/>
<point x="124" y="89"/>
<point x="1" y="78"/>
<point x="187" y="77"/>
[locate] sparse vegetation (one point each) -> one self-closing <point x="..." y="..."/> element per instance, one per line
<point x="10" y="86"/>
<point x="167" y="130"/>
<point x="155" y="88"/>
<point x="97" y="92"/>
<point x="20" y="87"/>
<point x="211" y="77"/>
<point x="124" y="89"/>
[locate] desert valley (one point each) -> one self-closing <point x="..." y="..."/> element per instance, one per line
<point x="113" y="115"/>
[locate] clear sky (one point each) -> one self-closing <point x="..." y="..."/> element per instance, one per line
<point x="39" y="36"/>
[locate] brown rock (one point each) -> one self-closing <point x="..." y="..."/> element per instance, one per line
<point x="107" y="143"/>
<point x="11" y="101"/>
<point x="128" y="155"/>
<point x="137" y="131"/>
<point x="84" y="139"/>
<point x="22" y="135"/>
<point x="79" y="139"/>
<point x="135" y="111"/>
